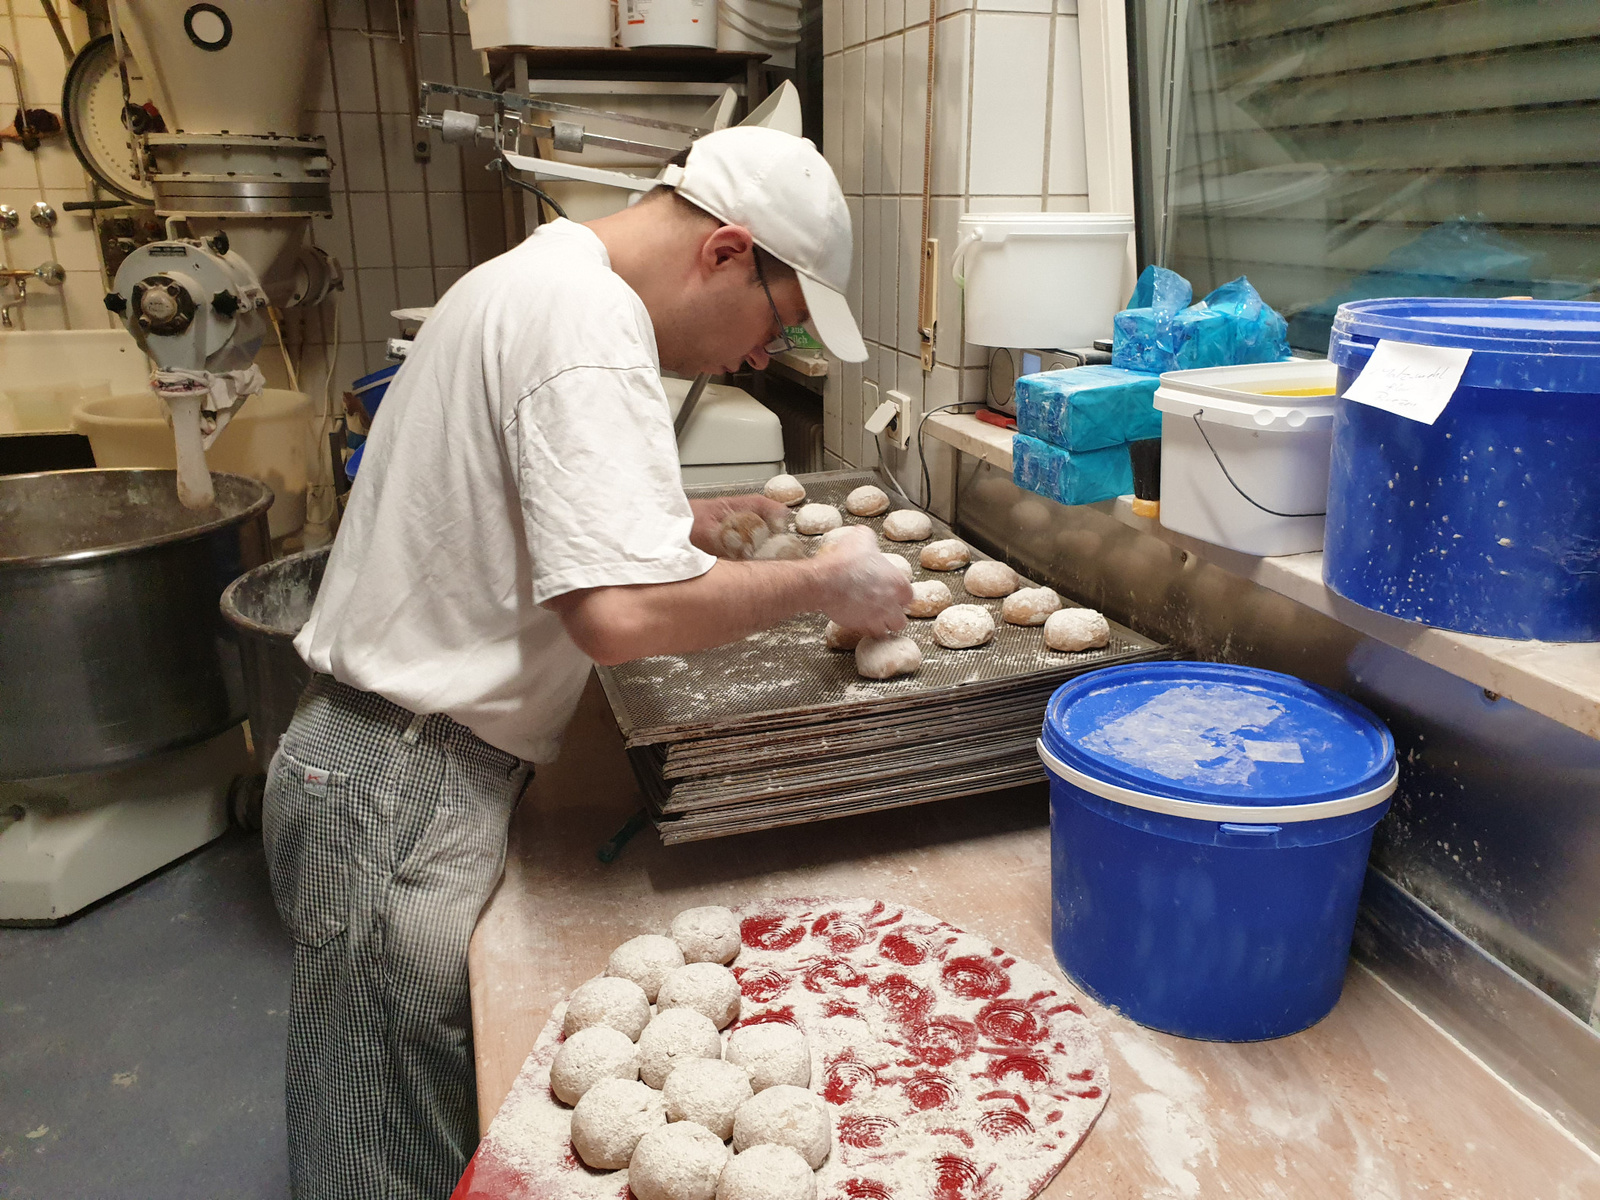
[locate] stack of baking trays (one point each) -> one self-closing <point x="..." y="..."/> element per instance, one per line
<point x="779" y="730"/>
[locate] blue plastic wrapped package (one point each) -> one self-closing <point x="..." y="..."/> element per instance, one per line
<point x="1088" y="408"/>
<point x="1070" y="476"/>
<point x="1161" y="331"/>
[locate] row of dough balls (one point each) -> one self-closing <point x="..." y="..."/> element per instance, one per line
<point x="657" y="1093"/>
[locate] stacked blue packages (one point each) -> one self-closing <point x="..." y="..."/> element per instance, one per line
<point x="1070" y="476"/>
<point x="1161" y="331"/>
<point x="1088" y="408"/>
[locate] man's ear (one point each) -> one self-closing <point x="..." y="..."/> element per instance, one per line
<point x="725" y="243"/>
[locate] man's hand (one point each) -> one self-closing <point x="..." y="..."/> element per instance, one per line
<point x="861" y="591"/>
<point x="709" y="516"/>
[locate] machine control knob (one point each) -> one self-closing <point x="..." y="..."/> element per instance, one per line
<point x="115" y="303"/>
<point x="225" y="304"/>
<point x="219" y="243"/>
<point x="164" y="305"/>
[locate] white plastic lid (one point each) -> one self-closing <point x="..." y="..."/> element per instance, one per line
<point x="1236" y="395"/>
<point x="729" y="426"/>
<point x="996" y="226"/>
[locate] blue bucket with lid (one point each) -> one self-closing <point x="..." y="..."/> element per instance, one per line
<point x="1209" y="827"/>
<point x="1488" y="520"/>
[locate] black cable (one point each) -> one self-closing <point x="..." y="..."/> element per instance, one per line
<point x="922" y="457"/>
<point x="1269" y="511"/>
<point x="510" y="174"/>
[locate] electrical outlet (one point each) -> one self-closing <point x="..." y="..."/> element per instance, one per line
<point x="904" y="417"/>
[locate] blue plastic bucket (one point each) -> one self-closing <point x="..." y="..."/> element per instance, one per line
<point x="1488" y="520"/>
<point x="369" y="390"/>
<point x="1209" y="828"/>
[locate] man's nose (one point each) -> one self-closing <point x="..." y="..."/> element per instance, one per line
<point x="758" y="358"/>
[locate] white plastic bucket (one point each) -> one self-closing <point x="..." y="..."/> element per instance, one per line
<point x="538" y="22"/>
<point x="1244" y="454"/>
<point x="770" y="27"/>
<point x="1046" y="280"/>
<point x="668" y="23"/>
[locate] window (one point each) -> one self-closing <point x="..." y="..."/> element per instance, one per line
<point x="1345" y="149"/>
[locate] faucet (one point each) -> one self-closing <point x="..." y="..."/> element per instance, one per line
<point x="50" y="272"/>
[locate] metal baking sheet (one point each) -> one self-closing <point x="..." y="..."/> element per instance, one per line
<point x="773" y="678"/>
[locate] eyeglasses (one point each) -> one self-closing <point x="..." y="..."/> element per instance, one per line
<point x="783" y="341"/>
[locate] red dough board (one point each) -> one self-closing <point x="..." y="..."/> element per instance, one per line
<point x="952" y="1070"/>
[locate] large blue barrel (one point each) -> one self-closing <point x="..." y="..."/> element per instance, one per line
<point x="1488" y="520"/>
<point x="1209" y="830"/>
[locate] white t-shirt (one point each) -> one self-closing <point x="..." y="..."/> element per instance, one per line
<point x="523" y="451"/>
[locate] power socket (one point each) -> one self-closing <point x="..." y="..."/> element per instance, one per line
<point x="904" y="417"/>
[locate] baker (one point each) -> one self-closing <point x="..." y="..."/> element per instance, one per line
<point x="520" y="515"/>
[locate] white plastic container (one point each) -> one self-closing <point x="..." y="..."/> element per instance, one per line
<point x="268" y="440"/>
<point x="730" y="438"/>
<point x="1244" y="454"/>
<point x="770" y="27"/>
<point x="1041" y="279"/>
<point x="538" y="22"/>
<point x="668" y="23"/>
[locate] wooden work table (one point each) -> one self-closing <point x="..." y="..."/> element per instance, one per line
<point x="1373" y="1103"/>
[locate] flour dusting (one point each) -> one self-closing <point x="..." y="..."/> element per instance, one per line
<point x="1191" y="732"/>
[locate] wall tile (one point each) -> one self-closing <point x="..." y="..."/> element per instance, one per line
<point x="447" y="225"/>
<point x="403" y="171"/>
<point x="378" y="300"/>
<point x="1010" y="76"/>
<point x="910" y="272"/>
<point x="44" y="67"/>
<point x="408" y="216"/>
<point x="1069" y="165"/>
<point x="333" y="233"/>
<point x="857" y="255"/>
<point x="444" y="279"/>
<point x="469" y="63"/>
<point x="872" y="246"/>
<point x="832" y="462"/>
<point x="945" y="217"/>
<point x="436" y="58"/>
<point x="74" y="245"/>
<point x="346" y="14"/>
<point x="850" y="403"/>
<point x="352" y="71"/>
<point x="1067" y="6"/>
<point x="369" y="229"/>
<point x="833" y="113"/>
<point x="854" y="101"/>
<point x="361" y="136"/>
<point x="389" y="61"/>
<point x="323" y="98"/>
<point x="1023" y="6"/>
<point x="893" y="101"/>
<point x="913" y="107"/>
<point x="873" y="150"/>
<point x="1067" y="204"/>
<point x="60" y="172"/>
<point x="46" y="308"/>
<point x="832" y="409"/>
<point x="975" y="383"/>
<point x="326" y="126"/>
<point x="952" y="77"/>
<point x="996" y="204"/>
<point x="894" y="14"/>
<point x="27" y="245"/>
<point x="946" y="7"/>
<point x="832" y="26"/>
<point x="486" y="234"/>
<point x="855" y="22"/>
<point x="433" y="16"/>
<point x="414" y="287"/>
<point x="83" y="294"/>
<point x="17" y="169"/>
<point x="874" y="21"/>
<point x="891" y="275"/>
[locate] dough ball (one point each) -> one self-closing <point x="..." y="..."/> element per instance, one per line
<point x="902" y="565"/>
<point x="1030" y="606"/>
<point x="989" y="578"/>
<point x="817" y="518"/>
<point x="682" y="1161"/>
<point x="867" y="501"/>
<point x="947" y="554"/>
<point x="589" y="1056"/>
<point x="785" y="489"/>
<point x="741" y="535"/>
<point x="837" y="637"/>
<point x="611" y="1118"/>
<point x="772" y="1053"/>
<point x="612" y="1001"/>
<point x="704" y="987"/>
<point x="675" y="1036"/>
<point x="960" y="627"/>
<point x="929" y="598"/>
<point x="785" y="1116"/>
<point x="886" y="657"/>
<point x="1074" y="629"/>
<point x="708" y="1092"/>
<point x="707" y="934"/>
<point x="833" y="537"/>
<point x="907" y="525"/>
<point x="781" y="545"/>
<point x="767" y="1172"/>
<point x="646" y="960"/>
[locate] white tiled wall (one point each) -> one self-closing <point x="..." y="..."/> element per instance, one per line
<point x="403" y="231"/>
<point x="1008" y="136"/>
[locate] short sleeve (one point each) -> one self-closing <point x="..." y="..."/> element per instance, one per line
<point x="600" y="486"/>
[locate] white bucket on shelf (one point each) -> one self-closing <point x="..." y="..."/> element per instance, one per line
<point x="1049" y="280"/>
<point x="770" y="27"/>
<point x="1244" y="454"/>
<point x="538" y="22"/>
<point x="643" y="23"/>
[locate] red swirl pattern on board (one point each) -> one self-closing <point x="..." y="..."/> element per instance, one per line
<point x="825" y="974"/>
<point x="1029" y="1067"/>
<point x="909" y="946"/>
<point x="865" y="1189"/>
<point x="975" y="978"/>
<point x="940" y="1041"/>
<point x="929" y="1089"/>
<point x="843" y="934"/>
<point x="867" y="1131"/>
<point x="1013" y="1022"/>
<point x="956" y="1177"/>
<point x="782" y="1015"/>
<point x="1003" y="1122"/>
<point x="761" y="986"/>
<point x="771" y="931"/>
<point x="846" y="1075"/>
<point x="905" y="999"/>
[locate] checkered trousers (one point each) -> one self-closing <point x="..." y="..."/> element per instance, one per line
<point x="385" y="832"/>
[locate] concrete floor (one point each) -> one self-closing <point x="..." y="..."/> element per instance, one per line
<point x="141" y="1043"/>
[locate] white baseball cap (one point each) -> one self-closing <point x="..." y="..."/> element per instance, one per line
<point x="784" y="192"/>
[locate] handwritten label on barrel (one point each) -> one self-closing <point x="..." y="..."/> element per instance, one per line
<point x="1409" y="380"/>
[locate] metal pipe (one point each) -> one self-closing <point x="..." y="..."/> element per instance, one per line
<point x="24" y="130"/>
